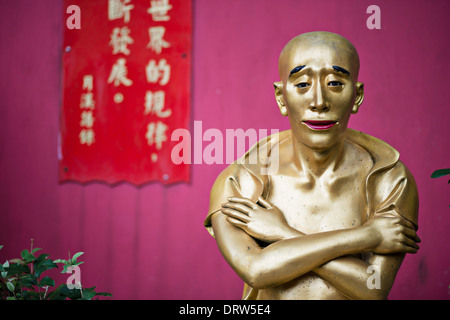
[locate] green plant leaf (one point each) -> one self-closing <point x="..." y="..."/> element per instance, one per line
<point x="10" y="286"/>
<point x="31" y="295"/>
<point x="105" y="294"/>
<point x="76" y="255"/>
<point x="56" y="294"/>
<point x="44" y="266"/>
<point x="16" y="277"/>
<point x="1" y="247"/>
<point x="47" y="281"/>
<point x="41" y="257"/>
<point x="60" y="261"/>
<point x="73" y="294"/>
<point x="27" y="256"/>
<point x="35" y="249"/>
<point x="440" y="173"/>
<point x="24" y="254"/>
<point x="64" y="270"/>
<point x="28" y="281"/>
<point x="17" y="268"/>
<point x="19" y="261"/>
<point x="88" y="294"/>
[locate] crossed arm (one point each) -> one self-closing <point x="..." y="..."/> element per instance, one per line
<point x="384" y="240"/>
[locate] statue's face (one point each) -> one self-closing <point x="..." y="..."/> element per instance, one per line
<point x="319" y="90"/>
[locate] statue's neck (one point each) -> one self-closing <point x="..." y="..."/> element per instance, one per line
<point x="317" y="162"/>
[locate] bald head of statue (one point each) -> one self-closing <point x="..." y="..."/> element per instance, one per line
<point x="319" y="87"/>
<point x="301" y="47"/>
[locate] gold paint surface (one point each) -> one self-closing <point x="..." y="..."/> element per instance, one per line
<point x="340" y="202"/>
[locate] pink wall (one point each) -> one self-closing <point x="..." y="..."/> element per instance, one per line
<point x="148" y="242"/>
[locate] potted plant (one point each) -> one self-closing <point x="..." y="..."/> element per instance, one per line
<point x="23" y="278"/>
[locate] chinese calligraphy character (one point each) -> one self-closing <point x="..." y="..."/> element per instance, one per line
<point x="118" y="9"/>
<point x="119" y="74"/>
<point x="154" y="103"/>
<point x="156" y="39"/>
<point x="87" y="136"/>
<point x="120" y="39"/>
<point x="154" y="72"/>
<point x="87" y="101"/>
<point x="87" y="119"/>
<point x="88" y="82"/>
<point x="118" y="97"/>
<point x="158" y="9"/>
<point x="156" y="134"/>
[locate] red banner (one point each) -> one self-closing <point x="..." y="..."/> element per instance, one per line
<point x="126" y="88"/>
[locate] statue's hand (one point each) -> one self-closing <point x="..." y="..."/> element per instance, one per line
<point x="260" y="220"/>
<point x="392" y="233"/>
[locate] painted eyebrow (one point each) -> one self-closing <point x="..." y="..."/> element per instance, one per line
<point x="342" y="70"/>
<point x="296" y="69"/>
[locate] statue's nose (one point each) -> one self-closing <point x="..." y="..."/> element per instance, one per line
<point x="319" y="102"/>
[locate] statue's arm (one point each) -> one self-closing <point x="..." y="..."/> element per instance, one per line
<point x="397" y="193"/>
<point x="354" y="278"/>
<point x="285" y="260"/>
<point x="350" y="275"/>
<point x="292" y="253"/>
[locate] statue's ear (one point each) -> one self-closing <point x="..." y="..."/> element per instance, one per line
<point x="359" y="97"/>
<point x="278" y="86"/>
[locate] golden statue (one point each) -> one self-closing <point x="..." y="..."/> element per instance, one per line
<point x="340" y="208"/>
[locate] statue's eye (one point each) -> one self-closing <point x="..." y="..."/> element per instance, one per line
<point x="302" y="85"/>
<point x="335" y="83"/>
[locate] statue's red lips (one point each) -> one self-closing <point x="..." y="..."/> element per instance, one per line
<point x="320" y="124"/>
